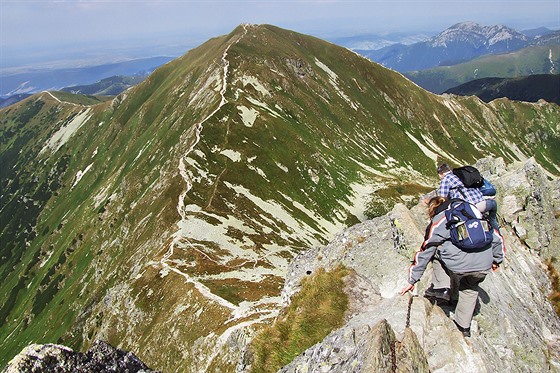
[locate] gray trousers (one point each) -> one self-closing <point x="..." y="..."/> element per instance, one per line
<point x="440" y="278"/>
<point x="468" y="295"/>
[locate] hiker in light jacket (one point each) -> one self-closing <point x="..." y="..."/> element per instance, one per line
<point x="440" y="289"/>
<point x="468" y="268"/>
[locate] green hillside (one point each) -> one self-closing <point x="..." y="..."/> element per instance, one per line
<point x="163" y="221"/>
<point x="527" y="61"/>
<point x="530" y="88"/>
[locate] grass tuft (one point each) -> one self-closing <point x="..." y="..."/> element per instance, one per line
<point x="313" y="313"/>
<point x="554" y="276"/>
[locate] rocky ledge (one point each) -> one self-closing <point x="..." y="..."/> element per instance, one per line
<point x="101" y="357"/>
<point x="515" y="327"/>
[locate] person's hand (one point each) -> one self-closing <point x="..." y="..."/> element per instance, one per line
<point x="495" y="267"/>
<point x="406" y="289"/>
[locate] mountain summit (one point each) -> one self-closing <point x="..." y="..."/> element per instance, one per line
<point x="494" y="39"/>
<point x="164" y="220"/>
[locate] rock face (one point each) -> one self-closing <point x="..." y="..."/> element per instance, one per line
<point x="514" y="329"/>
<point x="371" y="349"/>
<point x="101" y="357"/>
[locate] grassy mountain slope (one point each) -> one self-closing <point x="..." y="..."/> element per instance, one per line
<point x="527" y="61"/>
<point x="527" y="88"/>
<point x="163" y="221"/>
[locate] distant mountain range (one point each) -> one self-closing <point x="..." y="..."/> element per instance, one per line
<point x="537" y="59"/>
<point x="10" y="100"/>
<point x="402" y="51"/>
<point x="459" y="43"/>
<point x="529" y="88"/>
<point x="537" y="32"/>
<point x="111" y="86"/>
<point x="366" y="42"/>
<point x="54" y="79"/>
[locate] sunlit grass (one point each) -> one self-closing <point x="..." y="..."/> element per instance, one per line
<point x="313" y="313"/>
<point x="554" y="276"/>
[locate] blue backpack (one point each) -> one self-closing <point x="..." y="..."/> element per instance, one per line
<point x="469" y="231"/>
<point x="487" y="189"/>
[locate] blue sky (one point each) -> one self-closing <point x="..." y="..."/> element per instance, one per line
<point x="87" y="27"/>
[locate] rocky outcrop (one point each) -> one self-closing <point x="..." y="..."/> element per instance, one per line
<point x="101" y="357"/>
<point x="514" y="329"/>
<point x="531" y="206"/>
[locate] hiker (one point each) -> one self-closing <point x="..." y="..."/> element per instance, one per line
<point x="467" y="268"/>
<point x="440" y="288"/>
<point x="452" y="187"/>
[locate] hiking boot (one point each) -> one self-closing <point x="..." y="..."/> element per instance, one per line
<point x="440" y="294"/>
<point x="466" y="331"/>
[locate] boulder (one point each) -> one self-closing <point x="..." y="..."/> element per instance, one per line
<point x="101" y="357"/>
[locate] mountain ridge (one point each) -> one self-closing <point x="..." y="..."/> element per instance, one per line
<point x="533" y="60"/>
<point x="529" y="88"/>
<point x="459" y="43"/>
<point x="192" y="191"/>
<point x="382" y="331"/>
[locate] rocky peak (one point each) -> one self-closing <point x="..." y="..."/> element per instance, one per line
<point x="476" y="35"/>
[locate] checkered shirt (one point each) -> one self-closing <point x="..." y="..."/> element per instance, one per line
<point x="452" y="187"/>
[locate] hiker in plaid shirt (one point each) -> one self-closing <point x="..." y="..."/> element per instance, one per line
<point x="452" y="187"/>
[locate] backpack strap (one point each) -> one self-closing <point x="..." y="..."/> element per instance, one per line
<point x="460" y="189"/>
<point x="452" y="201"/>
<point x="467" y="214"/>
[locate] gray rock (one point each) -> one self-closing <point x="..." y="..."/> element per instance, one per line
<point x="370" y="349"/>
<point x="529" y="201"/>
<point x="101" y="357"/>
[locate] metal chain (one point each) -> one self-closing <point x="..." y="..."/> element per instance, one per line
<point x="408" y="312"/>
<point x="393" y="357"/>
<point x="394" y="343"/>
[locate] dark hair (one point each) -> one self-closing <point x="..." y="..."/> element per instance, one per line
<point x="443" y="168"/>
<point x="433" y="204"/>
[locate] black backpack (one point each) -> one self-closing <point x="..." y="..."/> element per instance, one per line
<point x="470" y="176"/>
